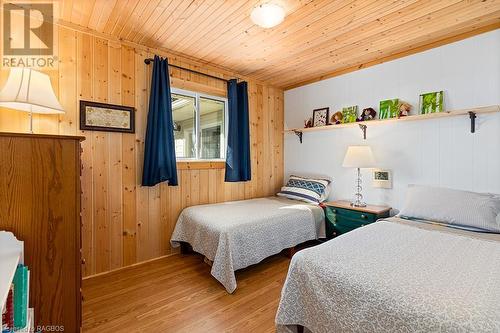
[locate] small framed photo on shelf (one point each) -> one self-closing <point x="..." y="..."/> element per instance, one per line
<point x="431" y="102"/>
<point x="382" y="178"/>
<point x="320" y="117"/>
<point x="350" y="114"/>
<point x="96" y="116"/>
<point x="388" y="108"/>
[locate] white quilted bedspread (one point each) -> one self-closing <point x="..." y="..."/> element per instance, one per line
<point x="238" y="234"/>
<point x="394" y="277"/>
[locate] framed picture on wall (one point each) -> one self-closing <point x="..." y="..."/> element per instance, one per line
<point x="320" y="117"/>
<point x="388" y="108"/>
<point x="431" y="102"/>
<point x="349" y="114"/>
<point x="96" y="116"/>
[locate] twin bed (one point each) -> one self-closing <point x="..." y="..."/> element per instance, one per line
<point x="234" y="235"/>
<point x="395" y="276"/>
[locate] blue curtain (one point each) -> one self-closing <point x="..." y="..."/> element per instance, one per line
<point x="238" y="137"/>
<point x="159" y="150"/>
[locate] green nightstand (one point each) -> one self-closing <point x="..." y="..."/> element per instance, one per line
<point x="341" y="217"/>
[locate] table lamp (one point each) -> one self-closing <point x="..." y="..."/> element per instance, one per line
<point x="358" y="157"/>
<point x="30" y="91"/>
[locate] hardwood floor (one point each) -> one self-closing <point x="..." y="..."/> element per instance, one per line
<point x="178" y="294"/>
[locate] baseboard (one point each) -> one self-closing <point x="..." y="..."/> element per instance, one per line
<point x="128" y="267"/>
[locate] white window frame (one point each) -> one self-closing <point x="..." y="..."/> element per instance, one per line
<point x="197" y="96"/>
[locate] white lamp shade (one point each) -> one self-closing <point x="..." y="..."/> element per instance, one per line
<point x="267" y="15"/>
<point x="359" y="157"/>
<point x="29" y="90"/>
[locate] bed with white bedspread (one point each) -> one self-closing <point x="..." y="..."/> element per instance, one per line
<point x="237" y="234"/>
<point x="395" y="276"/>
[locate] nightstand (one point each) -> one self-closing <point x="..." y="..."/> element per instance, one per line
<point x="341" y="217"/>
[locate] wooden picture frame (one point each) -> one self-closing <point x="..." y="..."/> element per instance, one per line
<point x="321" y="117"/>
<point x="95" y="116"/>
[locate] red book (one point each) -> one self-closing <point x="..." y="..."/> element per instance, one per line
<point x="8" y="315"/>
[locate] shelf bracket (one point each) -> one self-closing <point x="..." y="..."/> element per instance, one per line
<point x="363" y="129"/>
<point x="299" y="134"/>
<point x="472" y="116"/>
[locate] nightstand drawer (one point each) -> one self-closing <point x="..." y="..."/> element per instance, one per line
<point x="335" y="213"/>
<point x="346" y="222"/>
<point x="339" y="229"/>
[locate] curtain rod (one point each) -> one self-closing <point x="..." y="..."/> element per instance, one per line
<point x="148" y="61"/>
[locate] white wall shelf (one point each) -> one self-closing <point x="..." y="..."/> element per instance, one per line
<point x="11" y="254"/>
<point x="471" y="113"/>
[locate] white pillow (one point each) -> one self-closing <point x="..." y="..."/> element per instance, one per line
<point x="311" y="190"/>
<point x="460" y="209"/>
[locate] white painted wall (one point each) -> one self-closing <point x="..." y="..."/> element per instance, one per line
<point x="439" y="152"/>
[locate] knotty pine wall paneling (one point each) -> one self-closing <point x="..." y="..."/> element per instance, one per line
<point x="123" y="222"/>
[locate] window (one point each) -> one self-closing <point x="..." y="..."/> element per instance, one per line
<point x="199" y="125"/>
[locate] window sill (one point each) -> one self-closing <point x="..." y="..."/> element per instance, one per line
<point x="200" y="164"/>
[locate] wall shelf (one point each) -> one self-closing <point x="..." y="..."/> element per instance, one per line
<point x="471" y="113"/>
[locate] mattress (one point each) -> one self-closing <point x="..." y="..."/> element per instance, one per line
<point x="237" y="234"/>
<point x="395" y="276"/>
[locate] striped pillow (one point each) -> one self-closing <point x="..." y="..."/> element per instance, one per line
<point x="311" y="190"/>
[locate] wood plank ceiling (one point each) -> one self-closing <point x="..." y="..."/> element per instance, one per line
<point x="318" y="39"/>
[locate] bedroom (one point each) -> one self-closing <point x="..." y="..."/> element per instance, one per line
<point x="140" y="191"/>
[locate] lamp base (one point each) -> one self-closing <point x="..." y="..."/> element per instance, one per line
<point x="358" y="201"/>
<point x="31" y="122"/>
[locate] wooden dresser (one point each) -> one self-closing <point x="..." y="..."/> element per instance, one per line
<point x="40" y="204"/>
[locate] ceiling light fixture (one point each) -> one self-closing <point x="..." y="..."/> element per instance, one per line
<point x="267" y="15"/>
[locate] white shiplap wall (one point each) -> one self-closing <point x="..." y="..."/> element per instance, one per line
<point x="439" y="152"/>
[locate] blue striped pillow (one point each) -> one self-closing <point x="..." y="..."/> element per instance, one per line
<point x="311" y="190"/>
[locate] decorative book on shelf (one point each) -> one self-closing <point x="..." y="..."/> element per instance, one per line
<point x="14" y="286"/>
<point x="21" y="293"/>
<point x="15" y="311"/>
<point x="8" y="312"/>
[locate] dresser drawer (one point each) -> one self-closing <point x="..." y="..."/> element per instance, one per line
<point x="334" y="213"/>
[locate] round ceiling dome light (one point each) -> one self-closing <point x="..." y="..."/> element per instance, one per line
<point x="267" y="15"/>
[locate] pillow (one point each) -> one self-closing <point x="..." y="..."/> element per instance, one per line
<point x="311" y="190"/>
<point x="459" y="209"/>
